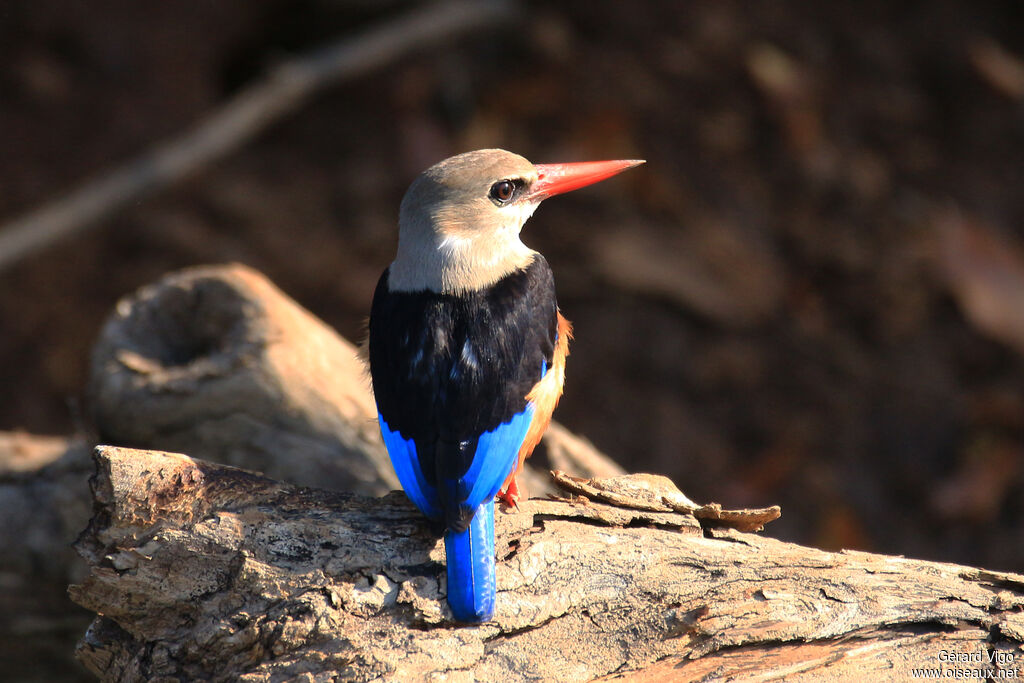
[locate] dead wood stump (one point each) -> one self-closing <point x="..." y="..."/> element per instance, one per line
<point x="219" y="363"/>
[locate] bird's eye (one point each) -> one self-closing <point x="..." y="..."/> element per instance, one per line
<point x="502" y="191"/>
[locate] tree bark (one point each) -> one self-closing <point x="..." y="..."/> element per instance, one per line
<point x="201" y="571"/>
<point x="218" y="363"/>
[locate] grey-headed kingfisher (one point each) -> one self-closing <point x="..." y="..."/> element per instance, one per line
<point x="467" y="349"/>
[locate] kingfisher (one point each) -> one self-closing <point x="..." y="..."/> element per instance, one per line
<point x="467" y="349"/>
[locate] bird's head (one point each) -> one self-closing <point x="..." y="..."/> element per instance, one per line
<point x="459" y="221"/>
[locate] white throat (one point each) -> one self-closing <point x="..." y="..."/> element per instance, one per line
<point x="459" y="262"/>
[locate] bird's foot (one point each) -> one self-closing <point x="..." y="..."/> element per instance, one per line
<point x="510" y="496"/>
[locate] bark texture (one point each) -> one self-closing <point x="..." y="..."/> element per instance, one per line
<point x="217" y="362"/>
<point x="201" y="571"/>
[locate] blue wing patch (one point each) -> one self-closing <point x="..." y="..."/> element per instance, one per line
<point x="496" y="454"/>
<point x="410" y="476"/>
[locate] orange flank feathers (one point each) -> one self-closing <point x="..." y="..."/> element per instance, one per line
<point x="544" y="396"/>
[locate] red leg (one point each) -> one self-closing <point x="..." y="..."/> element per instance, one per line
<point x="510" y="495"/>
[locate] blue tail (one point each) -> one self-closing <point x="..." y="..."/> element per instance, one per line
<point x="470" y="558"/>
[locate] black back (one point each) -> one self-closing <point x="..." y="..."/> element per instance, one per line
<point x="447" y="368"/>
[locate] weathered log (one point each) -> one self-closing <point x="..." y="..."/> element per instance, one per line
<point x="218" y="363"/>
<point x="206" y="572"/>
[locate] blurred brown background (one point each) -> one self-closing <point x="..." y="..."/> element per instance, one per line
<point x="811" y="295"/>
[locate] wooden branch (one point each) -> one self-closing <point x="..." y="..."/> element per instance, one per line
<point x="285" y="89"/>
<point x="205" y="572"/>
<point x="218" y="363"/>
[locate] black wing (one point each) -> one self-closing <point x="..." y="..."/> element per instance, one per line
<point x="448" y="368"/>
